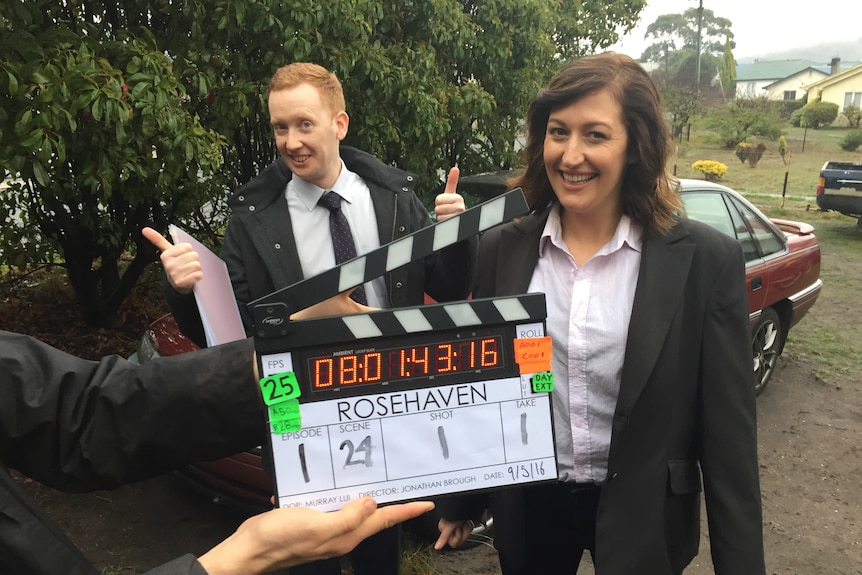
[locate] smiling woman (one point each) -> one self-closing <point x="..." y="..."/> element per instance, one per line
<point x="623" y="270"/>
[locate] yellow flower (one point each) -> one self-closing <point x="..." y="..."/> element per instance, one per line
<point x="711" y="169"/>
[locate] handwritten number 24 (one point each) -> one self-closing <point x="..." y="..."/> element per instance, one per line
<point x="364" y="449"/>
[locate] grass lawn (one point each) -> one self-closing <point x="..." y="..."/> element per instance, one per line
<point x="767" y="178"/>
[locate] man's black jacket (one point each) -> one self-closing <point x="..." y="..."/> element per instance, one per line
<point x="78" y="425"/>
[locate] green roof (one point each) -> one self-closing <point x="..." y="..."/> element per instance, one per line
<point x="774" y="70"/>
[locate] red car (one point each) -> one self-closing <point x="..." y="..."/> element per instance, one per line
<point x="782" y="274"/>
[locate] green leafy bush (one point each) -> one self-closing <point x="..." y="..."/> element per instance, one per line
<point x="853" y="115"/>
<point x="711" y="169"/>
<point x="819" y="114"/>
<point x="852" y="141"/>
<point x="786" y="108"/>
<point x="742" y="119"/>
<point x="796" y="118"/>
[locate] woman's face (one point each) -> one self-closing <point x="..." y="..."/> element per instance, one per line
<point x="585" y="155"/>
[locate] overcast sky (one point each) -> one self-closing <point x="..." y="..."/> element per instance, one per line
<point x="762" y="27"/>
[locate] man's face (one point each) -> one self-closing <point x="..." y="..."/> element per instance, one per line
<point x="307" y="134"/>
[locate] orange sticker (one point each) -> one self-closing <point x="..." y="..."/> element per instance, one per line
<point x="533" y="354"/>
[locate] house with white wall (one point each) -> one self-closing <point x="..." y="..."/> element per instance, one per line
<point x="753" y="79"/>
<point x="793" y="86"/>
<point x="842" y="88"/>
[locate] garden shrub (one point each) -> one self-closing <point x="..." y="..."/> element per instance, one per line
<point x="853" y="115"/>
<point x="819" y="114"/>
<point x="755" y="154"/>
<point x="796" y="118"/>
<point x="748" y="153"/>
<point x="742" y="119"/>
<point x="786" y="108"/>
<point x="852" y="141"/>
<point x="711" y="169"/>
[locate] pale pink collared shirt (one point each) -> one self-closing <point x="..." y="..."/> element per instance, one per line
<point x="589" y="308"/>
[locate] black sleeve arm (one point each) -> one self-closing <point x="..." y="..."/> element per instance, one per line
<point x="79" y="425"/>
<point x="185" y="311"/>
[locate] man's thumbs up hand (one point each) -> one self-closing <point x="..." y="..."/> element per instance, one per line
<point x="181" y="263"/>
<point x="449" y="203"/>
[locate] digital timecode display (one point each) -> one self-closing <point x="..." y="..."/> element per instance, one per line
<point x="444" y="356"/>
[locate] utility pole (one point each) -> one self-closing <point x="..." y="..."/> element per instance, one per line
<point x="699" y="30"/>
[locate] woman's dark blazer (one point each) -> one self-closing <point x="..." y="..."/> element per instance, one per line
<point x="685" y="416"/>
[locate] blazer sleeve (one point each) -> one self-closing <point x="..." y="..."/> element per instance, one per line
<point x="728" y="425"/>
<point x="185" y="311"/>
<point x="241" y="264"/>
<point x="79" y="425"/>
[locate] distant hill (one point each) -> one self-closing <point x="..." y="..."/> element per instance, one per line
<point x="850" y="51"/>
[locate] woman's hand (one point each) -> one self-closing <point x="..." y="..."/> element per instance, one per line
<point x="294" y="535"/>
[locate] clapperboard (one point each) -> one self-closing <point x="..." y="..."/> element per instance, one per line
<point x="406" y="403"/>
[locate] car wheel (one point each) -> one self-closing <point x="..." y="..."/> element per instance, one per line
<point x="766" y="344"/>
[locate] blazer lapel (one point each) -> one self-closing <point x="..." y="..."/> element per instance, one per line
<point x="665" y="263"/>
<point x="518" y="254"/>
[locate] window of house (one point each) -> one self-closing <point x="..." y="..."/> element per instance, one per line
<point x="853" y="99"/>
<point x="789" y="94"/>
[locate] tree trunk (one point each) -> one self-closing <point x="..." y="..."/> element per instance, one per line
<point x="100" y="292"/>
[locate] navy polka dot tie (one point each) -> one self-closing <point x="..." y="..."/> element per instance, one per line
<point x="342" y="239"/>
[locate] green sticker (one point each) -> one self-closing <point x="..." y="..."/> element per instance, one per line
<point x="279" y="387"/>
<point x="285" y="425"/>
<point x="285" y="410"/>
<point x="543" y="382"/>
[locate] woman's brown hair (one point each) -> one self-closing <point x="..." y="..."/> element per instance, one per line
<point x="649" y="193"/>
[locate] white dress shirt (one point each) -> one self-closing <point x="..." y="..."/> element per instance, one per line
<point x="311" y="226"/>
<point x="589" y="308"/>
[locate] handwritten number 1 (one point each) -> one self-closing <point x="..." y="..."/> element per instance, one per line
<point x="524" y="428"/>
<point x="303" y="463"/>
<point x="444" y="445"/>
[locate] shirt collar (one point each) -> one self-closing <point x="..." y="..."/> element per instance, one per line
<point x="310" y="194"/>
<point x="627" y="234"/>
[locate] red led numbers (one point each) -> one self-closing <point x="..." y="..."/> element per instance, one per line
<point x="404" y="363"/>
<point x="444" y="358"/>
<point x="372" y="366"/>
<point x="489" y="356"/>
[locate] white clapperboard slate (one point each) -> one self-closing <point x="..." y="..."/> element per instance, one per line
<point x="405" y="403"/>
